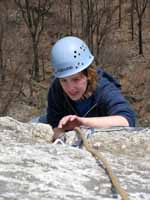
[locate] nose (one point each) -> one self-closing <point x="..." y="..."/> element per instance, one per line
<point x="70" y="87"/>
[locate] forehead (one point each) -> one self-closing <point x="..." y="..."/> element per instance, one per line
<point x="78" y="75"/>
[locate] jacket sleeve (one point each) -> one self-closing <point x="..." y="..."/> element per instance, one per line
<point x="54" y="108"/>
<point x="115" y="103"/>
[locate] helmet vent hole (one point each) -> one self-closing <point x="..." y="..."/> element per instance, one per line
<point x="75" y="56"/>
<point x="79" y="54"/>
<point x="75" y="51"/>
<point x="78" y="63"/>
<point x="76" y="67"/>
<point x="82" y="63"/>
<point x="80" y="47"/>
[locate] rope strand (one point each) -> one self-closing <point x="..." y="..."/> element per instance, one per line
<point x="105" y="163"/>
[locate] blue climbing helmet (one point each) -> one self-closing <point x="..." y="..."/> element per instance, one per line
<point x="69" y="56"/>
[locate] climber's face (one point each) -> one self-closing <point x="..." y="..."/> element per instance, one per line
<point x="74" y="86"/>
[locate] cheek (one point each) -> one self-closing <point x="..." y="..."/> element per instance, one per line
<point x="83" y="85"/>
<point x="64" y="87"/>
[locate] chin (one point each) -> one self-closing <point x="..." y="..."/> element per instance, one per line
<point x="75" y="98"/>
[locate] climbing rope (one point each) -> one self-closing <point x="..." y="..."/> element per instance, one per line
<point x="105" y="163"/>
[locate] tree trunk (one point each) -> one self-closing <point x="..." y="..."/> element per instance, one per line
<point x="35" y="68"/>
<point x="140" y="37"/>
<point x="70" y="12"/>
<point x="2" y="66"/>
<point x="132" y="19"/>
<point x="120" y="1"/>
<point x="82" y="17"/>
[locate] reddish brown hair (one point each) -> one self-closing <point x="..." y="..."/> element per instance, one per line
<point x="91" y="74"/>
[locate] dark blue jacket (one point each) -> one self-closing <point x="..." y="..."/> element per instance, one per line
<point x="107" y="101"/>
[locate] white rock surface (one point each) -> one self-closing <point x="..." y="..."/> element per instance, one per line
<point x="31" y="168"/>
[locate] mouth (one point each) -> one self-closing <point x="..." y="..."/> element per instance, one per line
<point x="73" y="93"/>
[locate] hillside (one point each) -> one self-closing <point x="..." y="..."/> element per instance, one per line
<point x="119" y="56"/>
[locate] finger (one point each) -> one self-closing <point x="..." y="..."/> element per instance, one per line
<point x="62" y="123"/>
<point x="57" y="133"/>
<point x="66" y="119"/>
<point x="73" y="117"/>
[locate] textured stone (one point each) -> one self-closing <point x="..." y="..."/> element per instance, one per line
<point x="12" y="130"/>
<point x="33" y="168"/>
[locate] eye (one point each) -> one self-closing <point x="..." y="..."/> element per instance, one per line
<point x="62" y="80"/>
<point x="76" y="79"/>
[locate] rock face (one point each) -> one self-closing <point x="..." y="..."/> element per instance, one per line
<point x="31" y="167"/>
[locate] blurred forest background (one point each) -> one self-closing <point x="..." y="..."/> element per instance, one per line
<point x="117" y="32"/>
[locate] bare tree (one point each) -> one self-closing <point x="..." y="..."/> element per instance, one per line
<point x="132" y="18"/>
<point x="10" y="89"/>
<point x="82" y="16"/>
<point x="3" y="27"/>
<point x="94" y="20"/>
<point x="105" y="25"/>
<point x="140" y="6"/>
<point x="34" y="13"/>
<point x="148" y="10"/>
<point x="120" y="12"/>
<point x="2" y="67"/>
<point x="89" y="13"/>
<point x="70" y="13"/>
